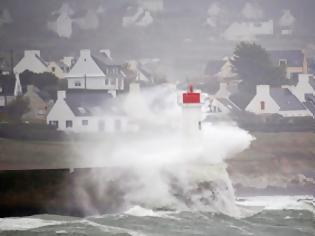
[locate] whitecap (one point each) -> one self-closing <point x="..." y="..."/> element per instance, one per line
<point x="280" y="202"/>
<point x="8" y="224"/>
<point x="141" y="212"/>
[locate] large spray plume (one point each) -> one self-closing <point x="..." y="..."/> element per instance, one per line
<point x="162" y="166"/>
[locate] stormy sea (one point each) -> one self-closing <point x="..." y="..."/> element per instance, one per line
<point x="170" y="180"/>
<point x="278" y="215"/>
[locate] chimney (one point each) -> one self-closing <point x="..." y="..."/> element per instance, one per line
<point x="85" y="53"/>
<point x="61" y="94"/>
<point x="28" y="53"/>
<point x="263" y="89"/>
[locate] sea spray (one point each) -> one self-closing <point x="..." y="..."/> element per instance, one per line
<point x="160" y="166"/>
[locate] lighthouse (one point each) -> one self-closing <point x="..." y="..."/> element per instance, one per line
<point x="191" y="103"/>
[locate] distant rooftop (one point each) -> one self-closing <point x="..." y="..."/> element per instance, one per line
<point x="90" y="103"/>
<point x="286" y="100"/>
<point x="294" y="58"/>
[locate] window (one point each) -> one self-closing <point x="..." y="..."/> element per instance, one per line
<point x="85" y="122"/>
<point x="77" y="83"/>
<point x="68" y="123"/>
<point x="1" y="89"/>
<point x="262" y="105"/>
<point x="53" y="69"/>
<point x="54" y="123"/>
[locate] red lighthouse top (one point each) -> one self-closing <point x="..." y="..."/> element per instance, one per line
<point x="190" y="97"/>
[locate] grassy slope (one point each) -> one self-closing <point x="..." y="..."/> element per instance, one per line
<point x="32" y="154"/>
<point x="285" y="154"/>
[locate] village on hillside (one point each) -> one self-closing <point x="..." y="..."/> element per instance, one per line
<point x="78" y="94"/>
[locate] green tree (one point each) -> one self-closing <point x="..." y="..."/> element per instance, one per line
<point x="17" y="108"/>
<point x="46" y="82"/>
<point x="253" y="65"/>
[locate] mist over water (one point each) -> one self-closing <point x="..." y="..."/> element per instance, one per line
<point x="162" y="166"/>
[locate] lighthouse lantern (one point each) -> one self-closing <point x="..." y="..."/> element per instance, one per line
<point x="191" y="97"/>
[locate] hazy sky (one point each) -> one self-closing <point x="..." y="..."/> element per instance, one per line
<point x="184" y="31"/>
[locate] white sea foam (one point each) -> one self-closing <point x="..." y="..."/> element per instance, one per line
<point x="7" y="224"/>
<point x="170" y="167"/>
<point x="111" y="229"/>
<point x="140" y="211"/>
<point x="61" y="232"/>
<point x="280" y="202"/>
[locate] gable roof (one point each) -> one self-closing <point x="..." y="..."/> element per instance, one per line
<point x="229" y="104"/>
<point x="85" y="66"/>
<point x="286" y="100"/>
<point x="108" y="69"/>
<point x="89" y="103"/>
<point x="41" y="60"/>
<point x="295" y="58"/>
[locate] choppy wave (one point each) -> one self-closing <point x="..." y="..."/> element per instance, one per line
<point x="306" y="203"/>
<point x="291" y="218"/>
<point x="25" y="223"/>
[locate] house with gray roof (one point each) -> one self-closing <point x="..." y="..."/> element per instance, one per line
<point x="294" y="62"/>
<point x="87" y="111"/>
<point x="276" y="101"/>
<point x="95" y="72"/>
<point x="223" y="106"/>
<point x="305" y="85"/>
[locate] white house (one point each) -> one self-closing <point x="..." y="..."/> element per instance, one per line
<point x="305" y="85"/>
<point x="31" y="61"/>
<point x="238" y="31"/>
<point x="152" y="5"/>
<point x="276" y="101"/>
<point x="90" y="72"/>
<point x="86" y="111"/>
<point x="56" y="69"/>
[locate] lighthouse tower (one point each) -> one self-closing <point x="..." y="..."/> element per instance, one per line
<point x="191" y="104"/>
